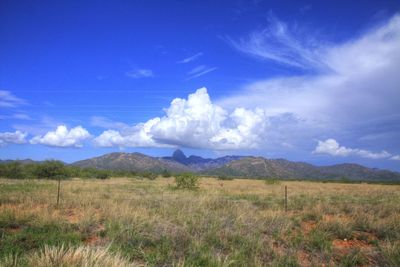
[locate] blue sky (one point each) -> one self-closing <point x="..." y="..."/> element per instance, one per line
<point x="313" y="81"/>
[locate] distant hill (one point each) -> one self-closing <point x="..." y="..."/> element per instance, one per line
<point x="237" y="166"/>
<point x="22" y="161"/>
<point x="259" y="167"/>
<point x="131" y="162"/>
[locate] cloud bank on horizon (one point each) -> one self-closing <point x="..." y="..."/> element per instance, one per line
<point x="347" y="87"/>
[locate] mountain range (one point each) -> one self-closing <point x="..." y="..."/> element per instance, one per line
<point x="237" y="166"/>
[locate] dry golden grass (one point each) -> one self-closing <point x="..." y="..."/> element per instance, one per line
<point x="77" y="257"/>
<point x="223" y="223"/>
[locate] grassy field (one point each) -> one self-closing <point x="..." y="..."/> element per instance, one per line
<point x="134" y="222"/>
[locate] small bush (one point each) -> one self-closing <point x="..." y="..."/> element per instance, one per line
<point x="271" y="181"/>
<point x="319" y="241"/>
<point x="102" y="174"/>
<point x="224" y="177"/>
<point x="354" y="258"/>
<point x="186" y="181"/>
<point x="166" y="174"/>
<point x="150" y="175"/>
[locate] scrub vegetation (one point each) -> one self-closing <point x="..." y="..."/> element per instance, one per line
<point x="213" y="222"/>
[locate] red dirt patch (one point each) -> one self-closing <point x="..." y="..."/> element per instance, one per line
<point x="303" y="258"/>
<point x="346" y="246"/>
<point x="332" y="217"/>
<point x="92" y="240"/>
<point x="14" y="229"/>
<point x="307" y="227"/>
<point x="278" y="248"/>
<point x="72" y="217"/>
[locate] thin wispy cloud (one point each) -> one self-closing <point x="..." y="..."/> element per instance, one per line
<point x="277" y="42"/>
<point x="197" y="69"/>
<point x="140" y="73"/>
<point x="191" y="58"/>
<point x="103" y="122"/>
<point x="38" y="126"/>
<point x="304" y="9"/>
<point x="16" y="116"/>
<point x="200" y="71"/>
<point x="8" y="100"/>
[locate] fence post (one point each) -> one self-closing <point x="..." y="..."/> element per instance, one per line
<point x="285" y="198"/>
<point x="58" y="191"/>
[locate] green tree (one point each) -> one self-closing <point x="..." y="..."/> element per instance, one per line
<point x="13" y="170"/>
<point x="51" y="169"/>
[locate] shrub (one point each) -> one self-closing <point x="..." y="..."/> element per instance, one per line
<point x="186" y="181"/>
<point x="224" y="177"/>
<point x="51" y="169"/>
<point x="319" y="241"/>
<point x="166" y="174"/>
<point x="102" y="174"/>
<point x="271" y="181"/>
<point x="12" y="170"/>
<point x="150" y="175"/>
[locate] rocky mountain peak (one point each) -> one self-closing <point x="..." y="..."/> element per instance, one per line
<point x="179" y="156"/>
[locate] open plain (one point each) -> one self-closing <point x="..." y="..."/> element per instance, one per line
<point x="241" y="222"/>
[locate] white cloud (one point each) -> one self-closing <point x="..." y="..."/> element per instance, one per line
<point x="200" y="71"/>
<point x="62" y="137"/>
<point x="16" y="137"/>
<point x="352" y="91"/>
<point x="18" y="116"/>
<point x="278" y="43"/>
<point x="21" y="116"/>
<point x="136" y="136"/>
<point x="332" y="147"/>
<point x="140" y="73"/>
<point x="103" y="122"/>
<point x="8" y="100"/>
<point x="195" y="122"/>
<point x="191" y="58"/>
<point x="396" y="157"/>
<point x="197" y="69"/>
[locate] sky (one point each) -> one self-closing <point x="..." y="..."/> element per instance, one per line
<point x="313" y="81"/>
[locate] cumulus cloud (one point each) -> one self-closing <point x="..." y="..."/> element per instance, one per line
<point x="140" y="73"/>
<point x="8" y="100"/>
<point x="62" y="137"/>
<point x="332" y="147"/>
<point x="194" y="122"/>
<point x="136" y="136"/>
<point x="191" y="58"/>
<point x="16" y="137"/>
